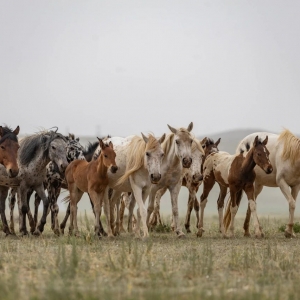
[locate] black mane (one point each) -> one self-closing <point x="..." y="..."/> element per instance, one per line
<point x="90" y="149"/>
<point x="31" y="144"/>
<point x="8" y="134"/>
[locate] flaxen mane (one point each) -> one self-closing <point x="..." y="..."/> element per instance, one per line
<point x="136" y="152"/>
<point x="291" y="148"/>
<point x="30" y="145"/>
<point x="197" y="145"/>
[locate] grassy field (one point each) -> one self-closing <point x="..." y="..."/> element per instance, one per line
<point x="162" y="267"/>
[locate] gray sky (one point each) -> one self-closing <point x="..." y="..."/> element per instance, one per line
<point x="130" y="66"/>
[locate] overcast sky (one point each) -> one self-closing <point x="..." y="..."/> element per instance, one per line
<point x="122" y="67"/>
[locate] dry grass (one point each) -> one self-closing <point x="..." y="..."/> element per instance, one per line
<point x="161" y="267"/>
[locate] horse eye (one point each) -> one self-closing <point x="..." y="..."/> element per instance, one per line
<point x="177" y="142"/>
<point x="162" y="155"/>
<point x="148" y="154"/>
<point x="191" y="141"/>
<point x="2" y="147"/>
<point x="203" y="146"/>
<point x="54" y="148"/>
<point x="105" y="155"/>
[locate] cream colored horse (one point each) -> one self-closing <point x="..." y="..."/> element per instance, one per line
<point x="178" y="155"/>
<point x="191" y="178"/>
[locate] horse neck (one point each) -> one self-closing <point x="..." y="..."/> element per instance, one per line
<point x="101" y="168"/>
<point x="40" y="162"/>
<point x="248" y="163"/>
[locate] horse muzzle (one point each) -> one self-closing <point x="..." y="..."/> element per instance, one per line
<point x="12" y="173"/>
<point x="155" y="178"/>
<point x="269" y="170"/>
<point x="197" y="178"/>
<point x="186" y="162"/>
<point x="114" y="169"/>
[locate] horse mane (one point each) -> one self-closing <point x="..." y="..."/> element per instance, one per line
<point x="291" y="148"/>
<point x="168" y="142"/>
<point x="135" y="157"/>
<point x="32" y="143"/>
<point x="197" y="145"/>
<point x="90" y="149"/>
<point x="8" y="134"/>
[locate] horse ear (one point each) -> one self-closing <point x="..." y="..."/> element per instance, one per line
<point x="162" y="138"/>
<point x="77" y="139"/>
<point x="255" y="141"/>
<point x="111" y="145"/>
<point x="102" y="145"/>
<point x="190" y="127"/>
<point x="265" y="141"/>
<point x="172" y="129"/>
<point x="218" y="142"/>
<point x="16" y="131"/>
<point x="1" y="131"/>
<point x="203" y="141"/>
<point x="145" y="138"/>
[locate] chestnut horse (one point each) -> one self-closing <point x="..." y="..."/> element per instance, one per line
<point x="237" y="173"/>
<point x="285" y="158"/>
<point x="90" y="177"/>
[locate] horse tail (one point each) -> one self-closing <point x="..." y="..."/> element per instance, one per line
<point x="125" y="176"/>
<point x="66" y="199"/>
<point x="227" y="216"/>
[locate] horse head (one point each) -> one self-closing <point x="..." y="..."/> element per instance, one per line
<point x="153" y="156"/>
<point x="198" y="156"/>
<point x="9" y="149"/>
<point x="210" y="146"/>
<point x="183" y="143"/>
<point x="74" y="149"/>
<point x="261" y="155"/>
<point x="109" y="155"/>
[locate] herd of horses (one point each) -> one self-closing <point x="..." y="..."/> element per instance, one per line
<point x="118" y="172"/>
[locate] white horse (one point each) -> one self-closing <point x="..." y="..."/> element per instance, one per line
<point x="178" y="155"/>
<point x="285" y="159"/>
<point x="191" y="178"/>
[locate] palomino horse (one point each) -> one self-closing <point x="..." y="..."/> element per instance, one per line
<point x="285" y="159"/>
<point x="90" y="177"/>
<point x="237" y="173"/>
<point x="192" y="179"/>
<point x="178" y="155"/>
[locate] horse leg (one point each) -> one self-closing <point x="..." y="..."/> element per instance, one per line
<point x="192" y="197"/>
<point x="37" y="201"/>
<point x="75" y="196"/>
<point x="122" y="211"/>
<point x="96" y="199"/>
<point x="130" y="213"/>
<point x="115" y="203"/>
<point x="174" y="191"/>
<point x="257" y="190"/>
<point x="233" y="210"/>
<point x="3" y="195"/>
<point x="64" y="222"/>
<point x="196" y="208"/>
<point x="208" y="183"/>
<point x="285" y="189"/>
<point x="155" y="216"/>
<point x="107" y="211"/>
<point x="23" y="208"/>
<point x="249" y="190"/>
<point x="222" y="195"/>
<point x="53" y="193"/>
<point x="12" y="201"/>
<point x="32" y="224"/>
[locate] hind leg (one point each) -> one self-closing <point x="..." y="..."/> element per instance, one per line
<point x="222" y="195"/>
<point x="64" y="222"/>
<point x="192" y="198"/>
<point x="12" y="201"/>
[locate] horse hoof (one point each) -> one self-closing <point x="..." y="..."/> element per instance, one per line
<point x="56" y="232"/>
<point x="36" y="233"/>
<point x="181" y="235"/>
<point x="247" y="234"/>
<point x="289" y="234"/>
